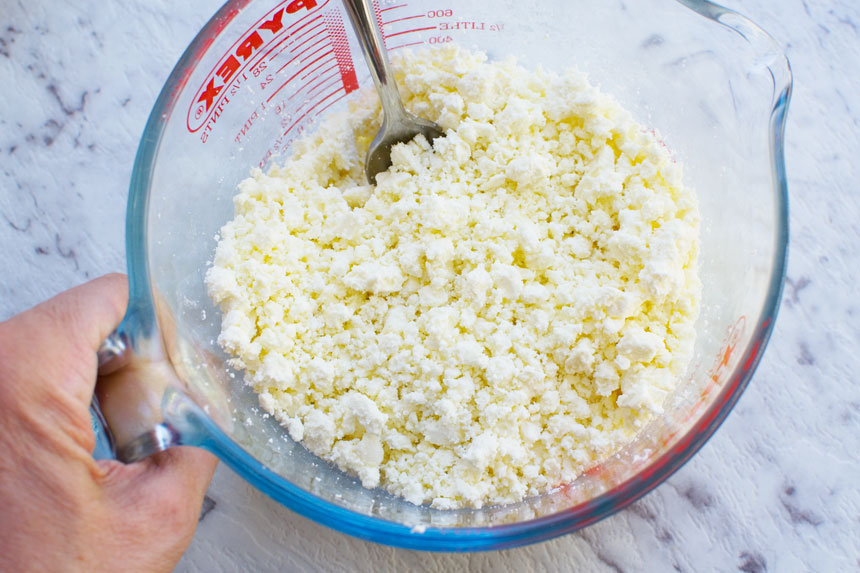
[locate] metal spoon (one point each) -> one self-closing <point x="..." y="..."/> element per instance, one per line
<point x="398" y="125"/>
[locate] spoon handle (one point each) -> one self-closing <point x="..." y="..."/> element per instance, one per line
<point x="370" y="37"/>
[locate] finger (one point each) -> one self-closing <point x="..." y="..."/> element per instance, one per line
<point x="55" y="343"/>
<point x="173" y="484"/>
<point x="174" y="480"/>
<point x="88" y="312"/>
<point x="187" y="467"/>
<point x="156" y="502"/>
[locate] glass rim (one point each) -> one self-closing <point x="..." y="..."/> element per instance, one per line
<point x="141" y="318"/>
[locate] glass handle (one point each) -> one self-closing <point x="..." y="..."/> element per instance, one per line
<point x="127" y="405"/>
<point x="104" y="448"/>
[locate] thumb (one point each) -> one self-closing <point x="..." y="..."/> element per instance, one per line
<point x="166" y="488"/>
<point x="61" y="335"/>
<point x="185" y="468"/>
<point x="155" y="504"/>
<point x="89" y="311"/>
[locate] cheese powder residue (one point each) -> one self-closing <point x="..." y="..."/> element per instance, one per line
<point x="499" y="313"/>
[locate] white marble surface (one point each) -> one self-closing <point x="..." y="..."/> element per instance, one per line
<point x="775" y="490"/>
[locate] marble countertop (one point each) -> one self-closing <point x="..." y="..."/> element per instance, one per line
<point x="775" y="489"/>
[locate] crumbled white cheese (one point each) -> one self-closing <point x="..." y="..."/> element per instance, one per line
<point x="499" y="313"/>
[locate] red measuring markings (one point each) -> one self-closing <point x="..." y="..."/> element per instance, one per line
<point x="314" y="83"/>
<point x="379" y="23"/>
<point x="319" y="68"/>
<point x="405" y="18"/>
<point x="244" y="55"/>
<point x="296" y="57"/>
<point x="412" y="31"/>
<point x="397" y="21"/>
<point x="724" y="358"/>
<point x="323" y="85"/>
<point x="310" y="35"/>
<point x="385" y="24"/>
<point x="330" y="51"/>
<point x="311" y="29"/>
<point x="472" y="25"/>
<point x="342" y="54"/>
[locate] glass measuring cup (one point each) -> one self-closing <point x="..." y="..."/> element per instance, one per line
<point x="260" y="73"/>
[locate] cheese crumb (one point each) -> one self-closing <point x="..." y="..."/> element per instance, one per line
<point x="497" y="314"/>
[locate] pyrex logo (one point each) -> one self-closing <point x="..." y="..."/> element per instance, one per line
<point x="212" y="96"/>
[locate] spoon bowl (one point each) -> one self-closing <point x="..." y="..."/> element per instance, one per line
<point x="398" y="125"/>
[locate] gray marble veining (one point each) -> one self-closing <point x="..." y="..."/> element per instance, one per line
<point x="774" y="490"/>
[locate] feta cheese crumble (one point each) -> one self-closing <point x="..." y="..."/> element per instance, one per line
<point x="500" y="312"/>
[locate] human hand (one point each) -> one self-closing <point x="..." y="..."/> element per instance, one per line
<point x="59" y="508"/>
